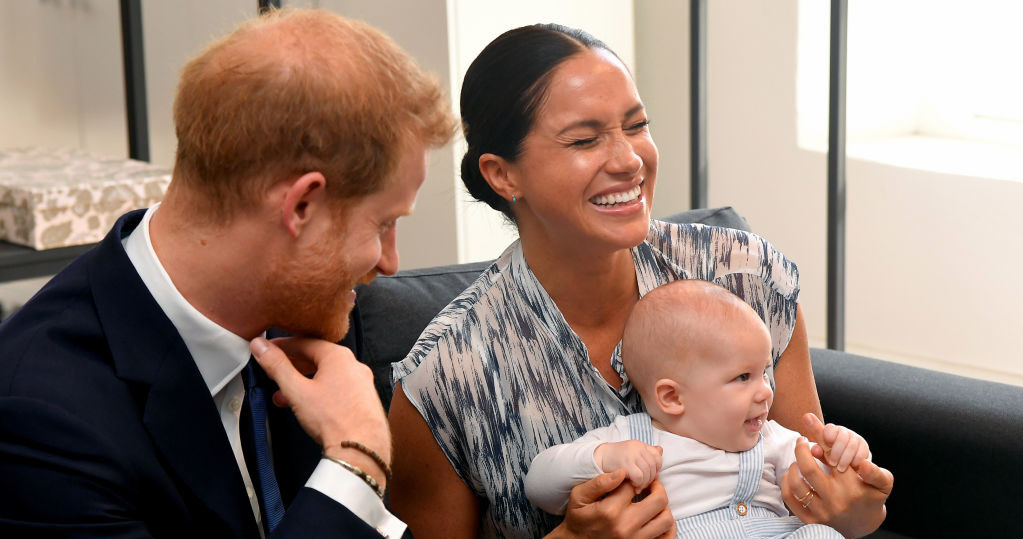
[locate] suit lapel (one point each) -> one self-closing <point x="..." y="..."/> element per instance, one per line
<point x="179" y="411"/>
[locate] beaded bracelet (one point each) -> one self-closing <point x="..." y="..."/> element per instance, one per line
<point x="368" y="479"/>
<point x="368" y="452"/>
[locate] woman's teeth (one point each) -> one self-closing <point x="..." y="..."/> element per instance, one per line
<point x="617" y="198"/>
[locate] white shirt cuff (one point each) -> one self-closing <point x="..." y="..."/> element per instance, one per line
<point x="347" y="489"/>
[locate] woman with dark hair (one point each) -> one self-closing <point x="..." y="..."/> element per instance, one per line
<point x="529" y="355"/>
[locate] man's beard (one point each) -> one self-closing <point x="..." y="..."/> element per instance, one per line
<point x="310" y="297"/>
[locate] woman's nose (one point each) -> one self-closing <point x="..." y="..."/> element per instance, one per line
<point x="623" y="158"/>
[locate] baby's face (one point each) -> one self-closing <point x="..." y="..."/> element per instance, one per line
<point x="727" y="392"/>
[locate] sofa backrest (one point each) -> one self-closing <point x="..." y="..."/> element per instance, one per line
<point x="391" y="312"/>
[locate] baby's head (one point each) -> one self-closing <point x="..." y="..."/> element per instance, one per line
<point x="700" y="358"/>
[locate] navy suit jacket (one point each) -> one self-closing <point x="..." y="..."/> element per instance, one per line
<point x="107" y="429"/>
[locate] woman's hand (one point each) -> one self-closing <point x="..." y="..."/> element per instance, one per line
<point x="852" y="501"/>
<point x="603" y="507"/>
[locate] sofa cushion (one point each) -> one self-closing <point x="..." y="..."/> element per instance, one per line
<point x="392" y="311"/>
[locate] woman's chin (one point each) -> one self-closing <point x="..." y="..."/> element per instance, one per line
<point x="626" y="237"/>
<point x="627" y="227"/>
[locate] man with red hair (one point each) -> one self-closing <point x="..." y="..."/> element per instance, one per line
<point x="130" y="405"/>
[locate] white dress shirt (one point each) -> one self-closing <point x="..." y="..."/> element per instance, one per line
<point x="220" y="356"/>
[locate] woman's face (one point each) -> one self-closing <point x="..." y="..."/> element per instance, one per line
<point x="585" y="177"/>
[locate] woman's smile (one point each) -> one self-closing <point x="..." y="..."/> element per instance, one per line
<point x="620" y="198"/>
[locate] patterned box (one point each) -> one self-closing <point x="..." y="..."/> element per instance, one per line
<point x="57" y="198"/>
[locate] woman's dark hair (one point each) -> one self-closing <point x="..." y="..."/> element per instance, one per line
<point x="503" y="88"/>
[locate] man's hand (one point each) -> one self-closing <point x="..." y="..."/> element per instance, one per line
<point x="603" y="507"/>
<point x="640" y="461"/>
<point x="338" y="403"/>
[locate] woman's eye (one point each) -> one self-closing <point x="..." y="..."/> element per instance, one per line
<point x="584" y="141"/>
<point x="743" y="377"/>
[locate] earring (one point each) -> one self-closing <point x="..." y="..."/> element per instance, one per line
<point x="513" y="199"/>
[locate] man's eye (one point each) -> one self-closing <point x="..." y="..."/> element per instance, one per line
<point x="639" y="126"/>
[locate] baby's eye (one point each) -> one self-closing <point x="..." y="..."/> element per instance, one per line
<point x="743" y="377"/>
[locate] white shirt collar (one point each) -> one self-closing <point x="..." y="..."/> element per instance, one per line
<point x="219" y="354"/>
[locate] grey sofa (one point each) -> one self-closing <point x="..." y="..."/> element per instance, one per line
<point x="954" y="444"/>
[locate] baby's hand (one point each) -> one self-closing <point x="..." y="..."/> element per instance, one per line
<point x="639" y="460"/>
<point x="839" y="446"/>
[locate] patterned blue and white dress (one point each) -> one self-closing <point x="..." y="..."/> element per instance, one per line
<point x="499" y="375"/>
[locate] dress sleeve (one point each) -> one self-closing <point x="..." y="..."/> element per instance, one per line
<point x="444" y="400"/>
<point x="440" y="376"/>
<point x="740" y="261"/>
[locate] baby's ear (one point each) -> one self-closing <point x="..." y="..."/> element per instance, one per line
<point x="668" y="395"/>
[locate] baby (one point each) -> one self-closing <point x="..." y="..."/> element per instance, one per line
<point x="700" y="358"/>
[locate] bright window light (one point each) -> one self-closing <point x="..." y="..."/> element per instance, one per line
<point x="938" y="71"/>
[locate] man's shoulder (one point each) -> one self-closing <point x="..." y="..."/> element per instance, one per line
<point x="55" y="337"/>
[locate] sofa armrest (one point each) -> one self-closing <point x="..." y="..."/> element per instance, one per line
<point x="953" y="443"/>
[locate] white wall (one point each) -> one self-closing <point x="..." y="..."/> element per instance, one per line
<point x="662" y="77"/>
<point x="428" y="236"/>
<point x="60" y="63"/>
<point x="174" y="32"/>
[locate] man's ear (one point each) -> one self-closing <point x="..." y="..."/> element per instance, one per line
<point x="304" y="197"/>
<point x="498" y="173"/>
<point x="668" y="396"/>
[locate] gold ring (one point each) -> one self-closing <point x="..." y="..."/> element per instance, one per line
<point x="803" y="498"/>
<point x="808" y="500"/>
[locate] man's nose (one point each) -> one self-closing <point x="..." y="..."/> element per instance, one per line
<point x="388" y="263"/>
